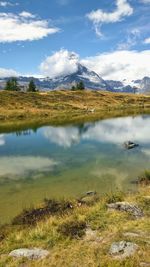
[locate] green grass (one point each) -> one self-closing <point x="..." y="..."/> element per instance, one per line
<point x="63" y="235"/>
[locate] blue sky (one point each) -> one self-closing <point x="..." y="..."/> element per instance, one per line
<point x="34" y="30"/>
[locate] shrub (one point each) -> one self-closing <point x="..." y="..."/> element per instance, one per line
<point x="72" y="228"/>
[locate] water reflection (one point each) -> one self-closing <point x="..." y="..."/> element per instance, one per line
<point x="19" y="167"/>
<point x="67" y="161"/>
<point x="2" y="140"/>
<point x="114" y="131"/>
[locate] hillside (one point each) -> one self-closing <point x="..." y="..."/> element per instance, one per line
<point x="68" y="106"/>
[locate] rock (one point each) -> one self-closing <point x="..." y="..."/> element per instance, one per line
<point x="130" y="145"/>
<point x="92" y="236"/>
<point x="128" y="207"/>
<point x="88" y="198"/>
<point x="123" y="249"/>
<point x="32" y="254"/>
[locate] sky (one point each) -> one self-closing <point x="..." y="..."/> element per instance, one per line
<point x="50" y="37"/>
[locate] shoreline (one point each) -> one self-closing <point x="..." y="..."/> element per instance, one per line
<point x="87" y="225"/>
<point x="18" y="109"/>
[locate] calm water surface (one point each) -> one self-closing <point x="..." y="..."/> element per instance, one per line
<point x="68" y="161"/>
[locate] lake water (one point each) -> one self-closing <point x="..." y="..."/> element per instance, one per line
<point x="68" y="161"/>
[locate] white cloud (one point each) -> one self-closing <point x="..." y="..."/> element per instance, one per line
<point x="5" y="4"/>
<point x="100" y="17"/>
<point x="26" y="15"/>
<point x="132" y="38"/>
<point x="145" y="1"/>
<point x="147" y="41"/>
<point x="23" y="27"/>
<point x="60" y="63"/>
<point x="7" y="73"/>
<point x="120" y="65"/>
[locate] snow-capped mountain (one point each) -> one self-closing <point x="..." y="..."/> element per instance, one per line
<point x="90" y="79"/>
<point x="143" y="85"/>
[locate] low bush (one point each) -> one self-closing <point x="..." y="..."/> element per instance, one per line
<point x="72" y="228"/>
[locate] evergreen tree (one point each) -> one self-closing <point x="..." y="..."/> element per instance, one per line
<point x="31" y="87"/>
<point x="80" y="86"/>
<point x="12" y="85"/>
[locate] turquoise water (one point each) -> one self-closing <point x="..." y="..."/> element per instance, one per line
<point x="68" y="161"/>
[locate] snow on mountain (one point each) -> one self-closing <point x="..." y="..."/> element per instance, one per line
<point x="90" y="79"/>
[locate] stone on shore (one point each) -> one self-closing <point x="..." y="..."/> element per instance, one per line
<point x="128" y="207"/>
<point x="123" y="249"/>
<point x="32" y="254"/>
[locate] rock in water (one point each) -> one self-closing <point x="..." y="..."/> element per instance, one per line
<point x="130" y="145"/>
<point x="128" y="207"/>
<point x="32" y="254"/>
<point x="123" y="249"/>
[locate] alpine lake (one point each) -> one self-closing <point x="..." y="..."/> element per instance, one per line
<point x="67" y="161"/>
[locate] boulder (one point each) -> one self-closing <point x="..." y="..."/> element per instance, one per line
<point x="128" y="207"/>
<point x="130" y="145"/>
<point x="32" y="254"/>
<point x="123" y="249"/>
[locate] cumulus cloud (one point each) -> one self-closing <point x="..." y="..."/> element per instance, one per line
<point x="100" y="17"/>
<point x="23" y="27"/>
<point x="7" y="73"/>
<point x="61" y="63"/>
<point x="145" y="1"/>
<point x="5" y="4"/>
<point x="147" y="41"/>
<point x="26" y="15"/>
<point x="120" y="65"/>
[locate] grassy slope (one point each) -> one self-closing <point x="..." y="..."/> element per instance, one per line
<point x="67" y="252"/>
<point x="67" y="106"/>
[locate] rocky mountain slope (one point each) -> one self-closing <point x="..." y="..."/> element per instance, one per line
<point x="90" y="79"/>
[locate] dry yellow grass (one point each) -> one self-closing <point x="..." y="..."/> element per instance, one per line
<point x="69" y="252"/>
<point x="60" y="107"/>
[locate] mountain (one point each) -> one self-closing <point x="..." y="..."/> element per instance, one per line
<point x="117" y="86"/>
<point x="143" y="85"/>
<point x="90" y="79"/>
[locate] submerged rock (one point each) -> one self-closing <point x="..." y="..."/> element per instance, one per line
<point x="32" y="254"/>
<point x="123" y="249"/>
<point x="128" y="207"/>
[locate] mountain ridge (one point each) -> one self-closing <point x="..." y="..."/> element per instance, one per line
<point x="90" y="79"/>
